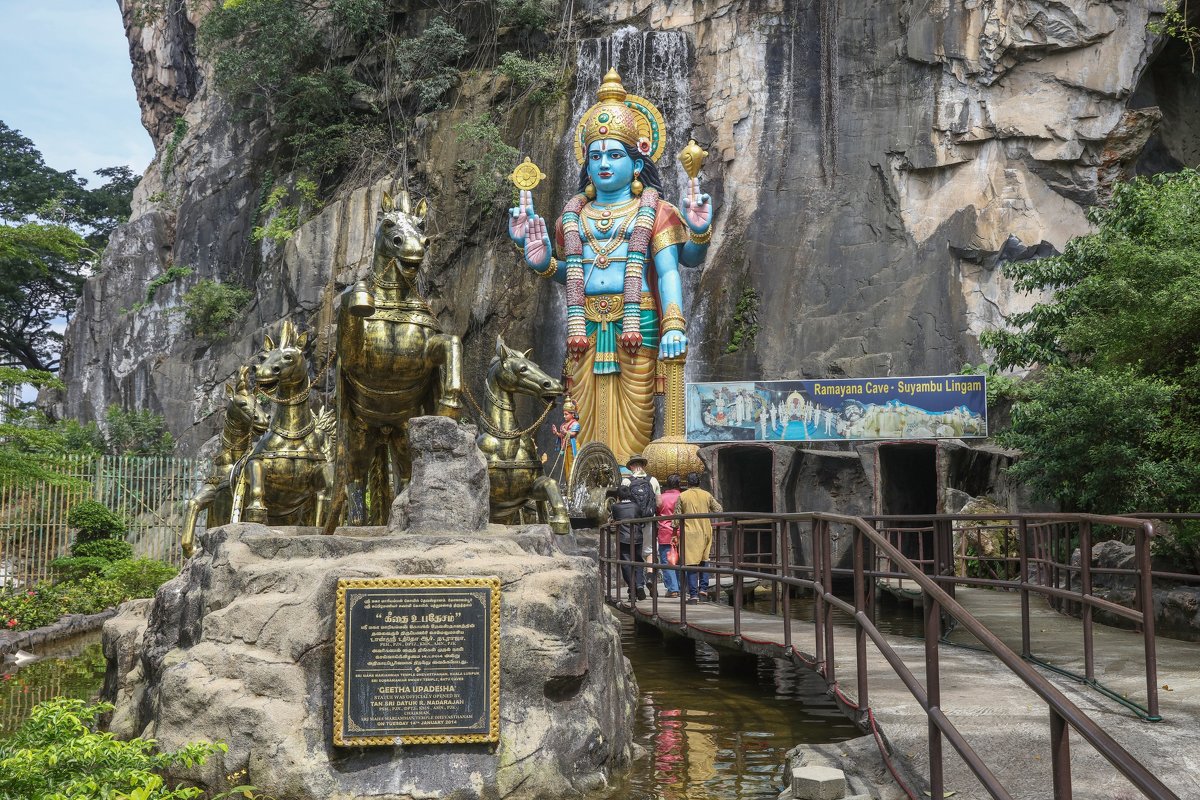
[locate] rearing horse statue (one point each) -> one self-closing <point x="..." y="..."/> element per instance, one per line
<point x="245" y="418"/>
<point x="393" y="363"/>
<point x="514" y="470"/>
<point x="289" y="472"/>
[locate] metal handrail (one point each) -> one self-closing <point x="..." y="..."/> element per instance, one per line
<point x="1050" y="552"/>
<point x="1063" y="713"/>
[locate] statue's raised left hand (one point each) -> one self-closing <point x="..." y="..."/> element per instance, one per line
<point x="697" y="208"/>
<point x="672" y="345"/>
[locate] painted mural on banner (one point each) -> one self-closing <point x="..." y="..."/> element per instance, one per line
<point x="851" y="409"/>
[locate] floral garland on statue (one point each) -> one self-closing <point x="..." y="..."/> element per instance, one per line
<point x="635" y="265"/>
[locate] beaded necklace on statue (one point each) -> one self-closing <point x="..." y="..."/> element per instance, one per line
<point x="639" y="248"/>
<point x="603" y="216"/>
<point x="604" y="248"/>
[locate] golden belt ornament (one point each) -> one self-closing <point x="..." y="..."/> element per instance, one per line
<point x="606" y="308"/>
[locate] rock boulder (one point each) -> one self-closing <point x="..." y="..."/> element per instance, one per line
<point x="239" y="648"/>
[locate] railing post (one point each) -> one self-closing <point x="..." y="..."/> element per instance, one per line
<point x="739" y="553"/>
<point x="1022" y="543"/>
<point x="933" y="690"/>
<point x="1060" y="756"/>
<point x="684" y="576"/>
<point x="827" y="584"/>
<point x="779" y="529"/>
<point x="1085" y="587"/>
<point x="819" y="594"/>
<point x="860" y="633"/>
<point x="1146" y="605"/>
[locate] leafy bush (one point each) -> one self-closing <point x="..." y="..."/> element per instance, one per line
<point x="107" y="549"/>
<point x="429" y="60"/>
<point x="139" y="577"/>
<point x="276" y="58"/>
<point x="212" y="307"/>
<point x="493" y="159"/>
<point x="527" y="13"/>
<point x="76" y="567"/>
<point x="168" y="162"/>
<point x="173" y="273"/>
<point x="539" y="76"/>
<point x="90" y="594"/>
<point x="59" y="753"/>
<point x="26" y="610"/>
<point x="95" y="521"/>
<point x="136" y="433"/>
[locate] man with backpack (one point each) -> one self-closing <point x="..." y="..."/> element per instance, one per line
<point x="643" y="493"/>
<point x="629" y="539"/>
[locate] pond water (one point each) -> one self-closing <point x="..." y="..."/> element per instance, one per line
<point x="716" y="724"/>
<point x="73" y="668"/>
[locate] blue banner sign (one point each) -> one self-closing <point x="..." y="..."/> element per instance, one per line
<point x="852" y="409"/>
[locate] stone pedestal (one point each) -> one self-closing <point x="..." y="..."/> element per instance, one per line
<point x="239" y="648"/>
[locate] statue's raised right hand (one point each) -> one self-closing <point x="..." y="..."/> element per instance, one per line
<point x="518" y="218"/>
<point x="537" y="243"/>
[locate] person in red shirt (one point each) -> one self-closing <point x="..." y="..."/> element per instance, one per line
<point x="668" y="534"/>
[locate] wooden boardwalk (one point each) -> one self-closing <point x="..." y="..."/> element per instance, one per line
<point x="1006" y="723"/>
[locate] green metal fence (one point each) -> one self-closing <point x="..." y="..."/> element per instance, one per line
<point x="150" y="493"/>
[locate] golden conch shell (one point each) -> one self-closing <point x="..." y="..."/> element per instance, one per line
<point x="692" y="157"/>
<point x="527" y="175"/>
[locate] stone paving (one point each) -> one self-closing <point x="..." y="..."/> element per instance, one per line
<point x="1006" y="723"/>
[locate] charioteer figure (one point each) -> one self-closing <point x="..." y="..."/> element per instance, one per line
<point x="619" y="247"/>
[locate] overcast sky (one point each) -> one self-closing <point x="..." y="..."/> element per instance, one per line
<point x="65" y="83"/>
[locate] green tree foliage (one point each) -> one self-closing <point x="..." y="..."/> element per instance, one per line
<point x="211" y="307"/>
<point x="136" y="433"/>
<point x="540" y="76"/>
<point x="40" y="279"/>
<point x="52" y="229"/>
<point x="1114" y="426"/>
<point x="283" y="59"/>
<point x="491" y="158"/>
<point x="340" y="81"/>
<point x="31" y="446"/>
<point x="429" y="60"/>
<point x="60" y="753"/>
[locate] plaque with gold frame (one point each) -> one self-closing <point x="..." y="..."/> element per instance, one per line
<point x="417" y="661"/>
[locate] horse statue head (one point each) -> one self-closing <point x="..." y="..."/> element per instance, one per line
<point x="283" y="364"/>
<point x="243" y="406"/>
<point x="400" y="236"/>
<point x="514" y="372"/>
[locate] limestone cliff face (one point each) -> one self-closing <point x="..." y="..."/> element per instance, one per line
<point x="873" y="163"/>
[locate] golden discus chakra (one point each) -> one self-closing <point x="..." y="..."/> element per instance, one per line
<point x="527" y="175"/>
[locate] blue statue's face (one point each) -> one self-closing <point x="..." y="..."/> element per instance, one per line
<point x="609" y="166"/>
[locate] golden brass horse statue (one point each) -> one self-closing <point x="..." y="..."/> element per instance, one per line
<point x="245" y="418"/>
<point x="393" y="363"/>
<point x="289" y="472"/>
<point x="514" y="470"/>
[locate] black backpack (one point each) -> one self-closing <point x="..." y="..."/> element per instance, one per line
<point x="642" y="495"/>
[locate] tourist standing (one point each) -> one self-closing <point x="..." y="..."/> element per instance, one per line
<point x="643" y="492"/>
<point x="629" y="535"/>
<point x="697" y="533"/>
<point x="668" y="534"/>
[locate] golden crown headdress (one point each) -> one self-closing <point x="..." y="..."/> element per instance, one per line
<point x="569" y="405"/>
<point x="629" y="119"/>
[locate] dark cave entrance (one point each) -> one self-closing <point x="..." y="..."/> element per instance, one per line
<point x="908" y="484"/>
<point x="747" y="484"/>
